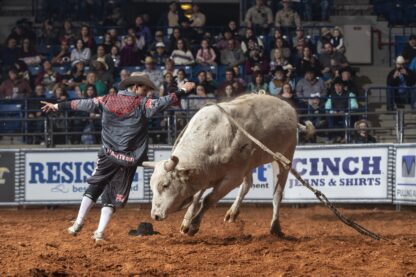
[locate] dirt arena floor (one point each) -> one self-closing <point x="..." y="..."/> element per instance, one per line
<point x="33" y="242"/>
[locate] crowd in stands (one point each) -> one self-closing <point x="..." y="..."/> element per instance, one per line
<point x="313" y="75"/>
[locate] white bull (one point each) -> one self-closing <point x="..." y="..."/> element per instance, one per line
<point x="213" y="153"/>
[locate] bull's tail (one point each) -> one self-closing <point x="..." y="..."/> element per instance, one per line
<point x="308" y="129"/>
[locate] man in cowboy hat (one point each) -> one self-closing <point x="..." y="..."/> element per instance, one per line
<point x="124" y="143"/>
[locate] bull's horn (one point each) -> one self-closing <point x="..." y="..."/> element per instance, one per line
<point x="171" y="164"/>
<point x="149" y="164"/>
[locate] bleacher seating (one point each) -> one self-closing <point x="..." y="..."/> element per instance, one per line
<point x="11" y="111"/>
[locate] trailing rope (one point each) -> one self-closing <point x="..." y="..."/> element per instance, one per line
<point x="286" y="163"/>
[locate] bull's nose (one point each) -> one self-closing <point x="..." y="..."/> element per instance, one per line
<point x="158" y="218"/>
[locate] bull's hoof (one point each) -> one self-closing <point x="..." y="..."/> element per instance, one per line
<point x="275" y="230"/>
<point x="231" y="216"/>
<point x="190" y="230"/>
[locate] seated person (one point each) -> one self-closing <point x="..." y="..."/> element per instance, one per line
<point x="362" y="134"/>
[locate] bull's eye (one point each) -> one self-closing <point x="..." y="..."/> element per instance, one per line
<point x="163" y="186"/>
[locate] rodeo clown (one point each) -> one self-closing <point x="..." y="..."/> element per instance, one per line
<point x="124" y="143"/>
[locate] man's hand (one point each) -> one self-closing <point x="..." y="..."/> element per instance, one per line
<point x="188" y="86"/>
<point x="47" y="107"/>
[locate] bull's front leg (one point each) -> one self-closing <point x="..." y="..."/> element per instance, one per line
<point x="219" y="191"/>
<point x="275" y="228"/>
<point x="190" y="212"/>
<point x="234" y="210"/>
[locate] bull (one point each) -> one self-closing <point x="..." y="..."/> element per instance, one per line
<point x="213" y="153"/>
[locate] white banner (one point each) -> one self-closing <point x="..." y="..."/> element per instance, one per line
<point x="61" y="175"/>
<point x="405" y="192"/>
<point x="343" y="174"/>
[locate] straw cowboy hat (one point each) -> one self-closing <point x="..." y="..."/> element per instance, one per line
<point x="102" y="61"/>
<point x="137" y="78"/>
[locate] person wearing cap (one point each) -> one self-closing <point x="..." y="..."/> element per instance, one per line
<point x="259" y="17"/>
<point x="326" y="37"/>
<point x="124" y="143"/>
<point x="400" y="82"/>
<point x="287" y="19"/>
<point x="108" y="61"/>
<point x="316" y="108"/>
<point x="102" y="71"/>
<point x="338" y="103"/>
<point x="409" y="50"/>
<point x="362" y="134"/>
<point x="150" y="70"/>
<point x="160" y="56"/>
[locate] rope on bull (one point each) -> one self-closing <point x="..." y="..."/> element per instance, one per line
<point x="287" y="165"/>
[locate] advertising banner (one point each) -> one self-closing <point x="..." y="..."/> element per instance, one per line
<point x="344" y="174"/>
<point x="7" y="177"/>
<point x="405" y="189"/>
<point x="61" y="175"/>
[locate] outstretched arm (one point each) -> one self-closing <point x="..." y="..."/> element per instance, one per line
<point x="152" y="106"/>
<point x="86" y="105"/>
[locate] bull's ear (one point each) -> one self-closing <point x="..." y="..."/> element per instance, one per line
<point x="149" y="164"/>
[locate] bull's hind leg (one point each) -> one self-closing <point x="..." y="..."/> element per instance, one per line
<point x="277" y="198"/>
<point x="190" y="212"/>
<point x="219" y="191"/>
<point x="234" y="210"/>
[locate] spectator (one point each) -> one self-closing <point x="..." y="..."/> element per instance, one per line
<point x="10" y="53"/>
<point x="232" y="55"/>
<point x="238" y="75"/>
<point x="15" y="87"/>
<point x="259" y="17"/>
<point x="409" y="50"/>
<point x="160" y="56"/>
<point x="309" y="60"/>
<point x="47" y="77"/>
<point x="154" y="74"/>
<point x="280" y="45"/>
<point x="92" y="80"/>
<point x="223" y="42"/>
<point x="287" y="19"/>
<point x="88" y="125"/>
<point x="188" y="33"/>
<point x="23" y="71"/>
<point x="212" y="82"/>
<point x="112" y="91"/>
<point x="279" y="78"/>
<point x="350" y="83"/>
<point x="63" y="57"/>
<point x="400" y="81"/>
<point x="158" y="38"/>
<point x="139" y="41"/>
<point x="250" y="36"/>
<point x="362" y="134"/>
<point x="106" y="57"/>
<point x="129" y="55"/>
<point x="86" y="37"/>
<point x="278" y="59"/>
<point x="198" y="101"/>
<point x="173" y="15"/>
<point x="21" y="31"/>
<point x="316" y="108"/>
<point x="181" y="55"/>
<point x="35" y="125"/>
<point x="48" y="35"/>
<point x="309" y="85"/>
<point x="181" y="78"/>
<point x="80" y="52"/>
<point x="255" y="60"/>
<point x="230" y="87"/>
<point x="108" y="43"/>
<point x="338" y="103"/>
<point x="205" y="55"/>
<point x="141" y="30"/>
<point x="278" y="35"/>
<point x="168" y="85"/>
<point x="330" y="60"/>
<point x="198" y="19"/>
<point x="124" y="74"/>
<point x="102" y="71"/>
<point x="67" y="33"/>
<point x="288" y="96"/>
<point x="76" y="76"/>
<point x="174" y="37"/>
<point x="337" y="40"/>
<point x="325" y="38"/>
<point x="233" y="29"/>
<point x="115" y="56"/>
<point x="202" y="80"/>
<point x="170" y="67"/>
<point x="300" y="38"/>
<point x="28" y="53"/>
<point x="257" y="84"/>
